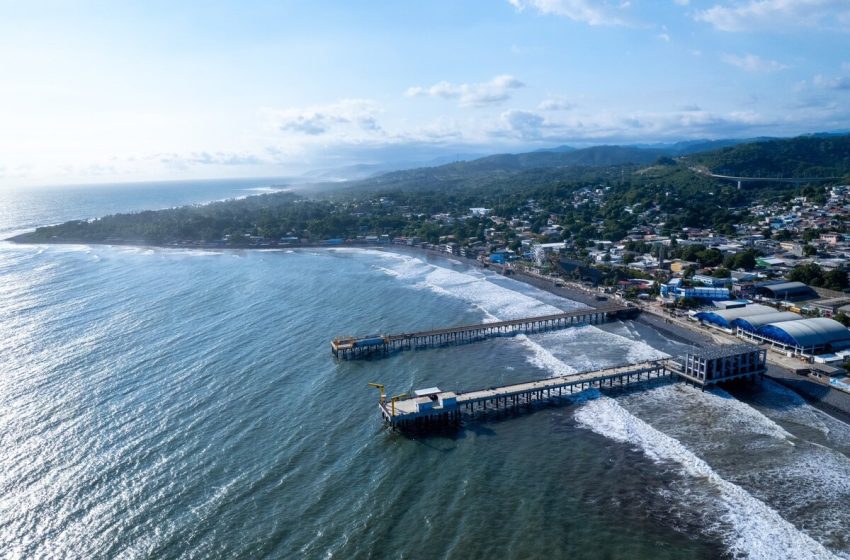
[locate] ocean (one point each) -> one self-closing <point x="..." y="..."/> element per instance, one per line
<point x="171" y="403"/>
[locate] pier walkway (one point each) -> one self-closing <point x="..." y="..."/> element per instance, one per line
<point x="357" y="347"/>
<point x="703" y="367"/>
<point x="432" y="408"/>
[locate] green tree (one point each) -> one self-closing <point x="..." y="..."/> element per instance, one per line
<point x="843" y="319"/>
<point x="835" y="279"/>
<point x="746" y="259"/>
<point x="808" y="274"/>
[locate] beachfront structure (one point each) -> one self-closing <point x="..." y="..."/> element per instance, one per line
<point x="674" y="290"/>
<point x="365" y="346"/>
<point x="719" y="364"/>
<point x="723" y="318"/>
<point x="802" y="337"/>
<point x="433" y="408"/>
<point x="810" y="336"/>
<point x="752" y="323"/>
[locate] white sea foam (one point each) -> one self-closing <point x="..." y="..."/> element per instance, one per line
<point x="759" y="531"/>
<point x="497" y="302"/>
<point x="716" y="407"/>
<point x="267" y="189"/>
<point x="788" y="406"/>
<point x="739" y="413"/>
<point x="544" y="359"/>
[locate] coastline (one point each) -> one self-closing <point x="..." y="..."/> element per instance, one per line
<point x="826" y="399"/>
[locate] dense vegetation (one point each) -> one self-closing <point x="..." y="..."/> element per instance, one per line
<point x="806" y="156"/>
<point x="588" y="202"/>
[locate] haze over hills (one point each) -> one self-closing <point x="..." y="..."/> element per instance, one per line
<point x="805" y="156"/>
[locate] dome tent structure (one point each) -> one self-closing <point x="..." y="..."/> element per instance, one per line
<point x="753" y="323"/>
<point x="814" y="335"/>
<point x="724" y="318"/>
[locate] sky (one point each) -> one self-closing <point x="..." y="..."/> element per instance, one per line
<point x="131" y="91"/>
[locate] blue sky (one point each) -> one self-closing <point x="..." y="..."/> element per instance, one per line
<point x="111" y="91"/>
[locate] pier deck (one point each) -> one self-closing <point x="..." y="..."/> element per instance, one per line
<point x="356" y="347"/>
<point x="445" y="407"/>
<point x="703" y="368"/>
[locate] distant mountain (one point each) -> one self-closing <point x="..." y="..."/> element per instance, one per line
<point x="559" y="149"/>
<point x="806" y="156"/>
<point x="597" y="156"/>
<point x="820" y="155"/>
<point x="501" y="169"/>
<point x="695" y="146"/>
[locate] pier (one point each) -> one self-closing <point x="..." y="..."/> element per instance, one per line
<point x="357" y="347"/>
<point x="433" y="408"/>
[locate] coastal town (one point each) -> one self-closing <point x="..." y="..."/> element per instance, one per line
<point x="788" y="264"/>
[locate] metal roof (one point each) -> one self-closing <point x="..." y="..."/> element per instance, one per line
<point x="723" y="351"/>
<point x="725" y="317"/>
<point x="785" y="289"/>
<point x="809" y="333"/>
<point x="753" y="322"/>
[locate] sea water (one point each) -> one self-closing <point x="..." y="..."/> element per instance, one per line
<point x="159" y="403"/>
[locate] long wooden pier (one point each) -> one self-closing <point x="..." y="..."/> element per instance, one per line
<point x="703" y="368"/>
<point x="357" y="347"/>
<point x="433" y="408"/>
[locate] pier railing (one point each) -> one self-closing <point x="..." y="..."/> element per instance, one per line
<point x="447" y="407"/>
<point x="356" y="347"/>
<point x="702" y="368"/>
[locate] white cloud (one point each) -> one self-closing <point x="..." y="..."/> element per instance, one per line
<point x="584" y="11"/>
<point x="523" y="124"/>
<point x="753" y="63"/>
<point x="839" y="83"/>
<point x="555" y="104"/>
<point x="775" y="14"/>
<point x="314" y="121"/>
<point x="209" y="158"/>
<point x="475" y="95"/>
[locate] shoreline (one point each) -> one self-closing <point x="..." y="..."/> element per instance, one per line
<point x="825" y="399"/>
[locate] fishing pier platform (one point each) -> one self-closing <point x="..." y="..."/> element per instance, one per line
<point x="357" y="347"/>
<point x="432" y="408"/>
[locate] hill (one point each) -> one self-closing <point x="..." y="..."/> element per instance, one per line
<point x="804" y="156"/>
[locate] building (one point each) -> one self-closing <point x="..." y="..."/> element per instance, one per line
<point x="541" y="251"/>
<point x="707" y="280"/>
<point x="831" y="238"/>
<point x="719" y="364"/>
<point x="676" y="291"/>
<point x="831" y="306"/>
<point x="752" y="323"/>
<point x="786" y="291"/>
<point x="724" y="318"/>
<point x="808" y="336"/>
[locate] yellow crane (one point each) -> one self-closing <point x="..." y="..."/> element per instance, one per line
<point x="380" y="388"/>
<point x="394" y="399"/>
<point x="383" y="399"/>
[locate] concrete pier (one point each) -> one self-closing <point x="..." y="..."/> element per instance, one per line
<point x="447" y="407"/>
<point x="433" y="407"/>
<point x="357" y="347"/>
